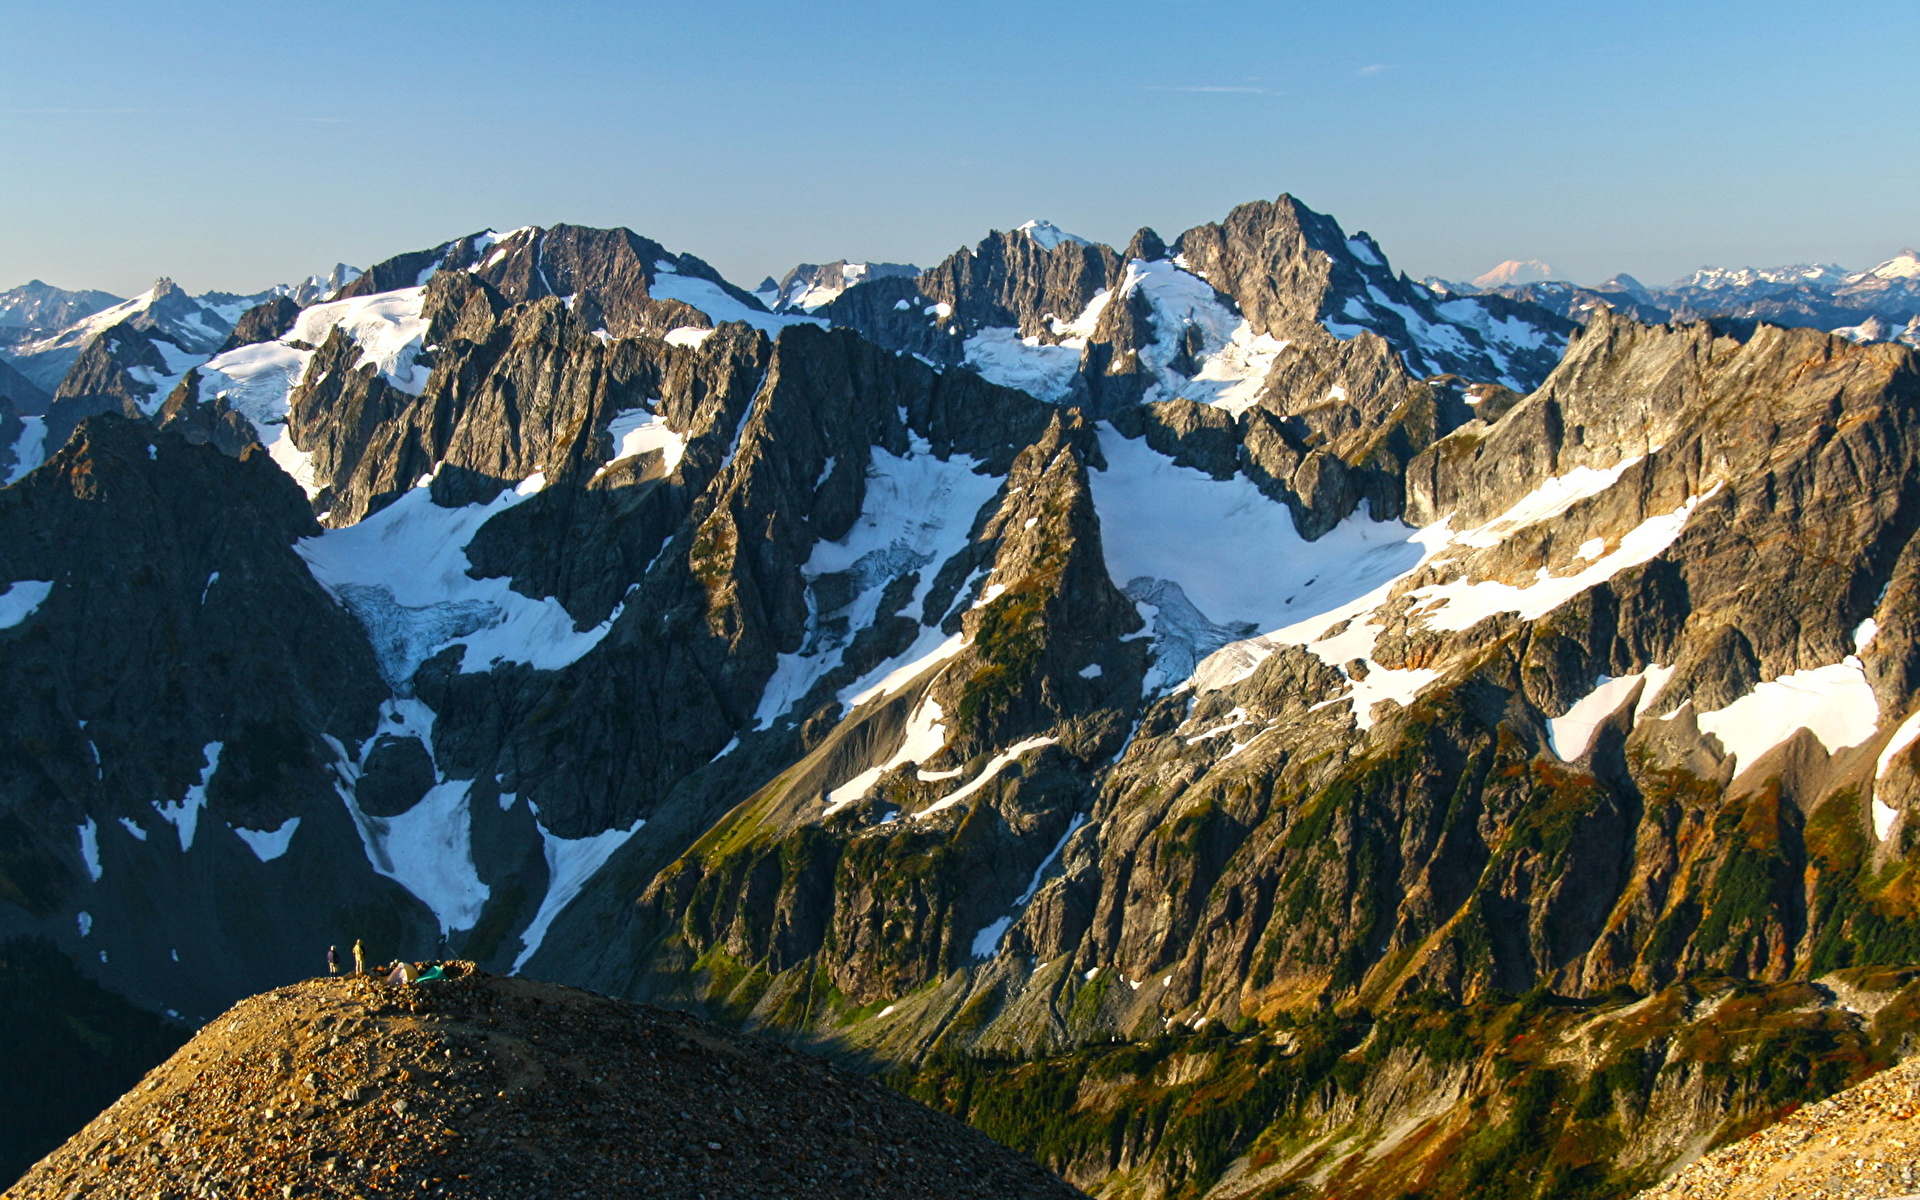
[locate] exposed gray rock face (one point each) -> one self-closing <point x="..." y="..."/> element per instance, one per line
<point x="124" y="370"/>
<point x="605" y="274"/>
<point x="893" y="313"/>
<point x="1274" y="308"/>
<point x="186" y="674"/>
<point x="1012" y="279"/>
<point x="19" y="392"/>
<point x="264" y="322"/>
<point x="1290" y="268"/>
<point x="204" y="422"/>
<point x="411" y="269"/>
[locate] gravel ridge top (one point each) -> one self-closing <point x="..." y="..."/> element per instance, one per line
<point x="496" y="1087"/>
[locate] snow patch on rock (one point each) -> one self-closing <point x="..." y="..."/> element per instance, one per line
<point x="22" y="599"/>
<point x="988" y="773"/>
<point x="184" y="814"/>
<point x="269" y="844"/>
<point x="90" y="849"/>
<point x="571" y="864"/>
<point x="1835" y="703"/>
<point x="1570" y="733"/>
<point x="1461" y="604"/>
<point x="639" y="431"/>
<point x="29" y="449"/>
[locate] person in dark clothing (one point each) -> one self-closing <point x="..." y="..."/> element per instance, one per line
<point x="333" y="961"/>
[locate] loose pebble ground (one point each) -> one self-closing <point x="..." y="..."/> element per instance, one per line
<point x="487" y="1087"/>
<point x="1860" y="1144"/>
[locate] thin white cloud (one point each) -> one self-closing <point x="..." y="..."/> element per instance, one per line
<point x="1215" y="89"/>
<point x="1374" y="69"/>
<point x="79" y="112"/>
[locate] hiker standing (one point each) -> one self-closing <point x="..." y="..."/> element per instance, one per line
<point x="359" y="958"/>
<point x="333" y="961"/>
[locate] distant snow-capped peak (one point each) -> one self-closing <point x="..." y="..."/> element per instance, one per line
<point x="1514" y="272"/>
<point x="1904" y="265"/>
<point x="812" y="285"/>
<point x="1050" y="235"/>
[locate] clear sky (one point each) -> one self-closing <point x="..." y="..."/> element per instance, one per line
<point x="236" y="145"/>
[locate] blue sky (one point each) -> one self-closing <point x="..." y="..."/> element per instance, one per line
<point x="237" y="145"/>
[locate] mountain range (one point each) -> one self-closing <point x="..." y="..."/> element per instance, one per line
<point x="1881" y="304"/>
<point x="1217" y="714"/>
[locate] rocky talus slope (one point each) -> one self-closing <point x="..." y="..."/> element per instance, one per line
<point x="487" y="1087"/>
<point x="1500" y="1099"/>
<point x="1862" y="1144"/>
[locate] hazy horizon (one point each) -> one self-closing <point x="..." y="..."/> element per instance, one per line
<point x="233" y="148"/>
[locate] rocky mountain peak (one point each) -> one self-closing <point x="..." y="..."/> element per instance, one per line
<point x="1145" y="245"/>
<point x="1621" y="282"/>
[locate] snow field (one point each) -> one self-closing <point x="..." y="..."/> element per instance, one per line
<point x="917" y="514"/>
<point x="1232" y="363"/>
<point x="428" y="850"/>
<point x="1461" y="604"/>
<point x="403" y="573"/>
<point x="925" y="736"/>
<point x="1238" y="559"/>
<point x="1548" y="501"/>
<point x="1885" y="814"/>
<point x="388" y="328"/>
<point x="90" y="849"/>
<point x="268" y="844"/>
<point x="29" y="449"/>
<point x="1049" y="235"/>
<point x="1043" y="371"/>
<point x="713" y="300"/>
<point x="1834" y="702"/>
<point x="1235" y="554"/>
<point x="988" y="773"/>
